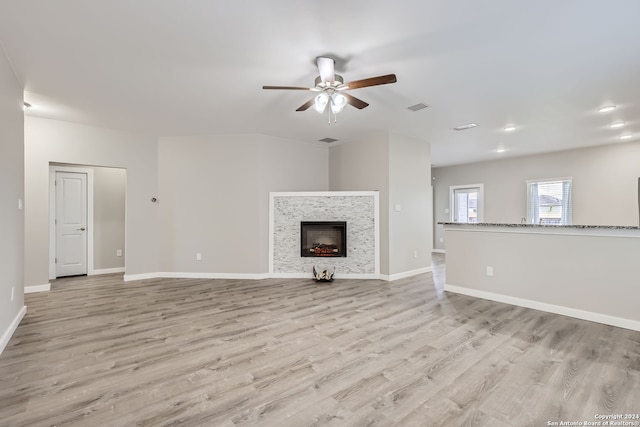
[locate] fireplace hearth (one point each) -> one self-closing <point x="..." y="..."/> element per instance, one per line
<point x="323" y="239"/>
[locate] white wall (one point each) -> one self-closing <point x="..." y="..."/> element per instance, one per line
<point x="364" y="166"/>
<point x="214" y="197"/>
<point x="11" y="189"/>
<point x="400" y="169"/>
<point x="410" y="228"/>
<point x="109" y="211"/>
<point x="51" y="141"/>
<point x="605" y="183"/>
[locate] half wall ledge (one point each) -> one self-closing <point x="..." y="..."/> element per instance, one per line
<point x="587" y="272"/>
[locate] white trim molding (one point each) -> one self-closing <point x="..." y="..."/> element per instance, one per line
<point x="479" y="207"/>
<point x="550" y="308"/>
<point x="107" y="271"/>
<point x="187" y="275"/>
<point x="6" y="336"/>
<point x="141" y="276"/>
<point x="37" y="288"/>
<point x="405" y="274"/>
<point x="345" y="276"/>
<point x="262" y="276"/>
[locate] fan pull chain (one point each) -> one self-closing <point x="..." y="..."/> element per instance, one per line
<point x="335" y="116"/>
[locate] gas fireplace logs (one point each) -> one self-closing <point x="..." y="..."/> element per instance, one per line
<point x="324" y="250"/>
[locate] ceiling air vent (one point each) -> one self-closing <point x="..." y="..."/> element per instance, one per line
<point x="418" y="107"/>
<point x="328" y="140"/>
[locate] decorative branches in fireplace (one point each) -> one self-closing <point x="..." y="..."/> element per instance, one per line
<point x="323" y="239"/>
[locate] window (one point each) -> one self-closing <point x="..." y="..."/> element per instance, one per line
<point x="549" y="201"/>
<point x="466" y="203"/>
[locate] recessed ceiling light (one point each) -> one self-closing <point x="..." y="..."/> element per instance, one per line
<point x="509" y="128"/>
<point x="607" y="108"/>
<point x="500" y="150"/>
<point x="627" y="136"/>
<point x="616" y="125"/>
<point x="465" y="127"/>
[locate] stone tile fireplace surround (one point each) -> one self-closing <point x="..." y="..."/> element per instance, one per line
<point x="360" y="209"/>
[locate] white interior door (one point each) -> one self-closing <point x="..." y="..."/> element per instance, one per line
<point x="71" y="224"/>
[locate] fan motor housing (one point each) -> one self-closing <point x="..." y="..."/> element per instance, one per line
<point x="338" y="81"/>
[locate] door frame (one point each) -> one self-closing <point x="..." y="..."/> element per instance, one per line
<point x="52" y="215"/>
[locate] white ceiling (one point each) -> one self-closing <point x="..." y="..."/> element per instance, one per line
<point x="169" y="67"/>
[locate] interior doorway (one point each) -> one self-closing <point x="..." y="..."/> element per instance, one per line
<point x="90" y="242"/>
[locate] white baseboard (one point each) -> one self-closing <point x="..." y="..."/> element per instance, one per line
<point x="550" y="308"/>
<point x="232" y="276"/>
<point x="143" y="276"/>
<point x="184" y="275"/>
<point x="107" y="271"/>
<point x="405" y="274"/>
<point x="359" y="276"/>
<point x="6" y="336"/>
<point x="439" y="251"/>
<point x="249" y="276"/>
<point x="37" y="288"/>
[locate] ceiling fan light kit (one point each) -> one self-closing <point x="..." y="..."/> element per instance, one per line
<point x="330" y="85"/>
<point x="321" y="102"/>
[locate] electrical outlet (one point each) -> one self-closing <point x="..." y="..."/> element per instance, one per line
<point x="119" y="252"/>
<point x="442" y="240"/>
<point x="415" y="254"/>
<point x="198" y="256"/>
<point x="12" y="292"/>
<point x="19" y="204"/>
<point x="489" y="271"/>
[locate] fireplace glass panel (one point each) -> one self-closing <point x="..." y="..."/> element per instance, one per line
<point x="323" y="239"/>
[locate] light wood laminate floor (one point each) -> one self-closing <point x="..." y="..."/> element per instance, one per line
<point x="97" y="351"/>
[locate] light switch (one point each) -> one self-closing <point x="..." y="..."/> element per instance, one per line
<point x="19" y="204"/>
<point x="398" y="208"/>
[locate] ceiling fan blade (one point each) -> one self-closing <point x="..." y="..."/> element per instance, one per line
<point x="306" y="105"/>
<point x="286" y="87"/>
<point x="372" y="81"/>
<point x="356" y="102"/>
<point x="326" y="67"/>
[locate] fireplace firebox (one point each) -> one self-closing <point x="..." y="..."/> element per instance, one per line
<point x="323" y="239"/>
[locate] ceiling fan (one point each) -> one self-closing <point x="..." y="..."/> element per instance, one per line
<point x="332" y="89"/>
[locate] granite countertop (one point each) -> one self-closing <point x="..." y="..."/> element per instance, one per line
<point x="489" y="224"/>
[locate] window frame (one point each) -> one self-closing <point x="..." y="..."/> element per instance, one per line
<point x="479" y="207"/>
<point x="567" y="214"/>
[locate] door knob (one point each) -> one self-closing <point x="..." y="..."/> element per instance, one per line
<point x="81" y="229"/>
